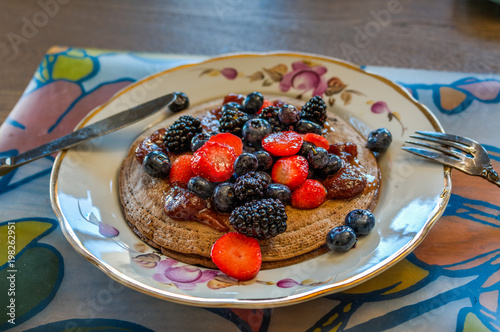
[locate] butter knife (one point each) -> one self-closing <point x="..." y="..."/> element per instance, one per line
<point x="176" y="102"/>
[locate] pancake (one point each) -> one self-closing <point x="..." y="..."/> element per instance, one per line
<point x="142" y="200"/>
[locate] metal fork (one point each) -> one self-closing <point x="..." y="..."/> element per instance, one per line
<point x="455" y="151"/>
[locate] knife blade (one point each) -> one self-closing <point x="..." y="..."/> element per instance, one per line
<point x="99" y="128"/>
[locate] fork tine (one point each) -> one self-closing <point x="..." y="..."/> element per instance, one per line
<point x="438" y="148"/>
<point x="447" y="160"/>
<point x="454" y="138"/>
<point x="458" y="146"/>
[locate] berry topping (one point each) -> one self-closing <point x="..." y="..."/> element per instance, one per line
<point x="152" y="143"/>
<point x="317" y="158"/>
<point x="157" y="164"/>
<point x="281" y="144"/>
<point x="288" y="114"/>
<point x="181" y="171"/>
<point x="253" y="102"/>
<point x="254" y="130"/>
<point x="279" y="191"/>
<point x="314" y="110"/>
<point x="309" y="195"/>
<point x="291" y="171"/>
<point x="306" y="126"/>
<point x="180" y="103"/>
<point x="249" y="186"/>
<point x="317" y="140"/>
<point x="237" y="255"/>
<point x="305" y="148"/>
<point x="224" y="197"/>
<point x="214" y="161"/>
<point x="229" y="139"/>
<point x="271" y="114"/>
<point x="201" y="187"/>
<point x="361" y="221"/>
<point x="246" y="162"/>
<point x="179" y="135"/>
<point x="346" y="183"/>
<point x="265" y="160"/>
<point x="232" y="118"/>
<point x="261" y="219"/>
<point x="333" y="165"/>
<point x="198" y="140"/>
<point x="341" y="238"/>
<point x="379" y="140"/>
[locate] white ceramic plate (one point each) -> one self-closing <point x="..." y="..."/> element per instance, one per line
<point x="413" y="193"/>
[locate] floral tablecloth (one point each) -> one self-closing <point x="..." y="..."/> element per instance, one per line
<point x="451" y="282"/>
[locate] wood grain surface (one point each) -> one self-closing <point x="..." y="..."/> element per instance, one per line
<point x="451" y="35"/>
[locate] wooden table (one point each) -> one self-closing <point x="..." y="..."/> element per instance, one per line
<point x="451" y="35"/>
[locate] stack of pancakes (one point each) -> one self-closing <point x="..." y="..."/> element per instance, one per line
<point x="142" y="199"/>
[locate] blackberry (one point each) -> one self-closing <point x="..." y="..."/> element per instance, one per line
<point x="179" y="135"/>
<point x="232" y="120"/>
<point x="314" y="110"/>
<point x="261" y="219"/>
<point x="250" y="186"/>
<point x="271" y="114"/>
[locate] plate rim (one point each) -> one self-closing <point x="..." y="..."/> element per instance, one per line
<point x="253" y="303"/>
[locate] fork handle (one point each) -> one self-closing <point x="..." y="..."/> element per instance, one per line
<point x="491" y="175"/>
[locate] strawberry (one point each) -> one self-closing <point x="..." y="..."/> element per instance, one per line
<point x="282" y="143"/>
<point x="229" y="139"/>
<point x="317" y="140"/>
<point x="237" y="255"/>
<point x="291" y="171"/>
<point x="214" y="161"/>
<point x="181" y="172"/>
<point x="309" y="195"/>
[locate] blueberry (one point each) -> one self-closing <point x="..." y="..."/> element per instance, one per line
<point x="361" y="221"/>
<point x="288" y="114"/>
<point x="232" y="106"/>
<point x="279" y="191"/>
<point x="341" y="238"/>
<point x="253" y="102"/>
<point x="201" y="187"/>
<point x="254" y="130"/>
<point x="180" y="103"/>
<point x="317" y="157"/>
<point x="333" y="165"/>
<point x="224" y="198"/>
<point x="305" y="148"/>
<point x="246" y="162"/>
<point x="306" y="126"/>
<point x="265" y="160"/>
<point x="157" y="164"/>
<point x="198" y="140"/>
<point x="379" y="140"/>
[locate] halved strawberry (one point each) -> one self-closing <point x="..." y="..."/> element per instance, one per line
<point x="229" y="139"/>
<point x="237" y="255"/>
<point x="181" y="171"/>
<point x="214" y="161"/>
<point x="291" y="171"/>
<point x="282" y="143"/>
<point x="309" y="195"/>
<point x="317" y="140"/>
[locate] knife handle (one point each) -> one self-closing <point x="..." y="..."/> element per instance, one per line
<point x="103" y="127"/>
